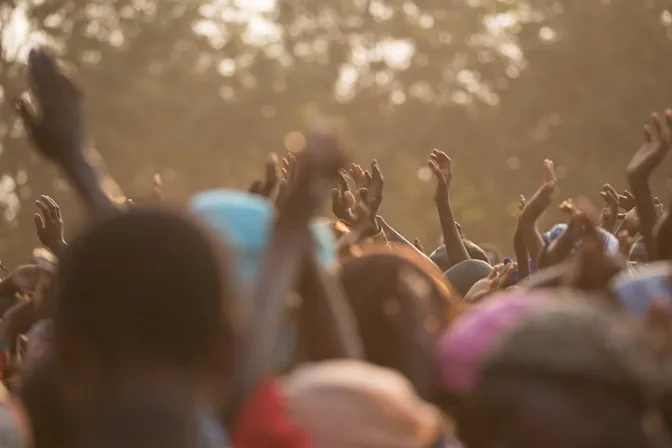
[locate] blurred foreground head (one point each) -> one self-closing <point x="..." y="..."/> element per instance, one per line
<point x="569" y="372"/>
<point x="385" y="311"/>
<point x="339" y="404"/>
<point x="140" y="291"/>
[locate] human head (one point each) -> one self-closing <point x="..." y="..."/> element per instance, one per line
<point x="370" y="283"/>
<point x="140" y="291"/>
<point x="573" y="374"/>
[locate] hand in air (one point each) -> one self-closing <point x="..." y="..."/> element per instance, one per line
<point x="49" y="224"/>
<point x="55" y="123"/>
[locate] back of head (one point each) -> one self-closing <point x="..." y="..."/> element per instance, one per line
<point x="476" y="252"/>
<point x="243" y="221"/>
<point x="440" y="255"/>
<point x="144" y="284"/>
<point x="372" y="289"/>
<point x="465" y="274"/>
<point x="572" y="375"/>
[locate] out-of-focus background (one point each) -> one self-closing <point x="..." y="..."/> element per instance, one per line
<point x="201" y="91"/>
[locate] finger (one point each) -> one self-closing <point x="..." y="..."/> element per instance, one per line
<point x="291" y="170"/>
<point x="656" y="201"/>
<point x="494" y="273"/>
<point x="363" y="194"/>
<point x="376" y="172"/>
<point x="549" y="171"/>
<point x="437" y="172"/>
<point x="418" y="245"/>
<point x="656" y="125"/>
<point x="343" y="181"/>
<point x="349" y="199"/>
<point x="445" y="162"/>
<point x="611" y="190"/>
<point x="54" y="211"/>
<point x="336" y="200"/>
<point x="358" y="175"/>
<point x="43" y="207"/>
<point x="368" y="179"/>
<point x="628" y="194"/>
<point x="647" y="134"/>
<point x="39" y="222"/>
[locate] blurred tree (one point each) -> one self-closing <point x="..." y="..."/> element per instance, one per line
<point x="201" y="91"/>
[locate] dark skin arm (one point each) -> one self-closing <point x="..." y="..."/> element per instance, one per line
<point x="58" y="130"/>
<point x="610" y="211"/>
<point x="520" y="247"/>
<point x="49" y="225"/>
<point x="534" y="208"/>
<point x="281" y="265"/>
<point x="657" y="143"/>
<point x="442" y="167"/>
<point x="417" y="346"/>
<point x="327" y="322"/>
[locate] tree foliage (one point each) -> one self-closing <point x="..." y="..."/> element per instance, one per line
<point x="202" y="91"/>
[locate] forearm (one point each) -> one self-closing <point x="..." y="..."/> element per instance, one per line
<point x="532" y="239"/>
<point x="522" y="255"/>
<point x="455" y="249"/>
<point x="327" y="320"/>
<point x="646" y="212"/>
<point x="87" y="183"/>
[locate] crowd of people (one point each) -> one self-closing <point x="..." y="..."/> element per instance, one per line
<point x="245" y="321"/>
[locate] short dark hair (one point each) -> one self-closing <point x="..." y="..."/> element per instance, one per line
<point x="148" y="282"/>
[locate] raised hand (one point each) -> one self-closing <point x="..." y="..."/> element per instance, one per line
<point x="49" y="224"/>
<point x="342" y="199"/>
<point x="657" y="142"/>
<point x="610" y="210"/>
<point x="361" y="177"/>
<point x="491" y="284"/>
<point x="374" y="193"/>
<point x="442" y="167"/>
<point x="57" y="126"/>
<point x="591" y="268"/>
<point x="539" y="202"/>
